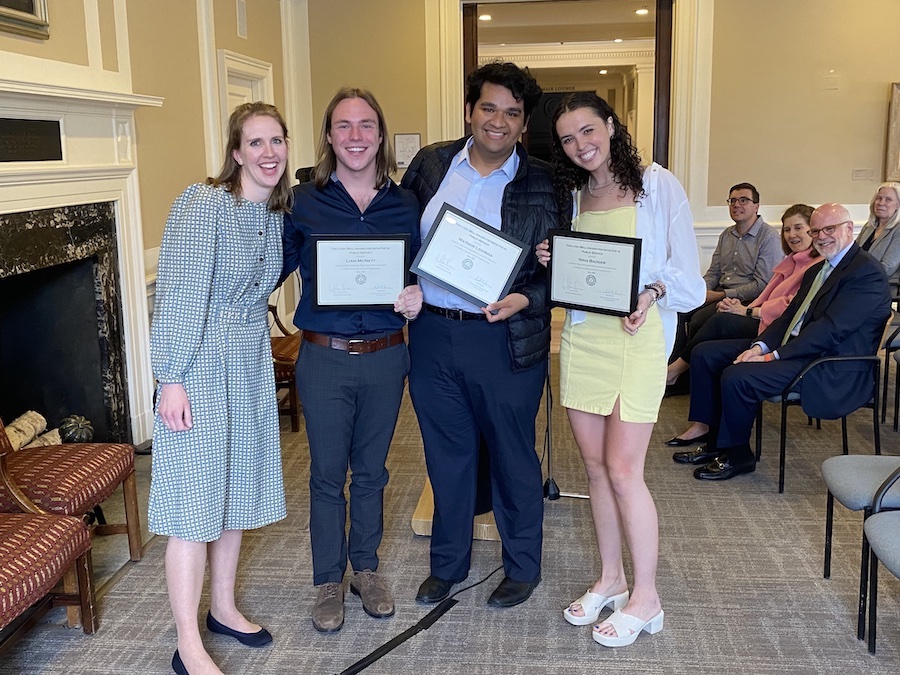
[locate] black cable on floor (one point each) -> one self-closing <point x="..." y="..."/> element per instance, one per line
<point x="426" y="622"/>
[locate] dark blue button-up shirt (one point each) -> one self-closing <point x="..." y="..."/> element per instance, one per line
<point x="331" y="210"/>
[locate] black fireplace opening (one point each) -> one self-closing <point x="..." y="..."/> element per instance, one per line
<point x="50" y="355"/>
<point x="61" y="341"/>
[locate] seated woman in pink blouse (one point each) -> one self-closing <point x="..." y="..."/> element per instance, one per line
<point x="735" y="320"/>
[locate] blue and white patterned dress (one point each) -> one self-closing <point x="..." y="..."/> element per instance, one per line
<point x="220" y="259"/>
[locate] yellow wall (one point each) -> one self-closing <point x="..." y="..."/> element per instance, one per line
<point x="165" y="62"/>
<point x="775" y="123"/>
<point x="378" y="45"/>
<point x="68" y="37"/>
<point x="263" y="39"/>
<point x="108" y="46"/>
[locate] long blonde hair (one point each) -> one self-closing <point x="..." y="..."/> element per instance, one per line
<point x="326" y="162"/>
<point x="873" y="221"/>
<point x="229" y="176"/>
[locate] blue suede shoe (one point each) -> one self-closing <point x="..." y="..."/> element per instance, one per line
<point x="260" y="638"/>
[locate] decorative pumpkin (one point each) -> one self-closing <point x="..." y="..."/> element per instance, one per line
<point x="76" y="429"/>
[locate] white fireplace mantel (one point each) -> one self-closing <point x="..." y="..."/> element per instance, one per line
<point x="99" y="164"/>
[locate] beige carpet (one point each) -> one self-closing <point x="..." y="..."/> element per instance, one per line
<point x="740" y="577"/>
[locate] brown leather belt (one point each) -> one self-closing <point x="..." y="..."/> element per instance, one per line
<point x="354" y="346"/>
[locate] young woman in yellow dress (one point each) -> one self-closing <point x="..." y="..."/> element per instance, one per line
<point x="613" y="370"/>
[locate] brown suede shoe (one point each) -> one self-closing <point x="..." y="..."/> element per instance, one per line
<point x="374" y="593"/>
<point x="328" y="612"/>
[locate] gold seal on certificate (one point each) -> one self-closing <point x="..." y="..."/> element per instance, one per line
<point x="359" y="271"/>
<point x="468" y="257"/>
<point x="594" y="272"/>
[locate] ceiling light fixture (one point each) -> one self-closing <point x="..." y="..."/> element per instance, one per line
<point x="604" y="71"/>
<point x="484" y="17"/>
<point x="618" y="40"/>
<point x="642" y="11"/>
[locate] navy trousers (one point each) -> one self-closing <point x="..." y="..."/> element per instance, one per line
<point x="463" y="387"/>
<point x="724" y="395"/>
<point x="350" y="404"/>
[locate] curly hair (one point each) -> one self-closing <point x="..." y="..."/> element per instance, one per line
<point x="519" y="81"/>
<point x="624" y="161"/>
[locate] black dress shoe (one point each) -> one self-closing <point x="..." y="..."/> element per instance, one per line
<point x="723" y="469"/>
<point x="685" y="442"/>
<point x="433" y="589"/>
<point x="699" y="455"/>
<point x="511" y="593"/>
<point x="260" y="638"/>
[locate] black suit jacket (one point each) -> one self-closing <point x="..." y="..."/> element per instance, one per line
<point x="846" y="318"/>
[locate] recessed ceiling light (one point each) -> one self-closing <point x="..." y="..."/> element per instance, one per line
<point x="484" y="17"/>
<point x="642" y="11"/>
<point x="604" y="71"/>
<point x="618" y="40"/>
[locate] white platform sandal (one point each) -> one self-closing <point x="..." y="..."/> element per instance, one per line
<point x="627" y="628"/>
<point x="592" y="604"/>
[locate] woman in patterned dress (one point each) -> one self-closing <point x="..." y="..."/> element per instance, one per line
<point x="613" y="370"/>
<point x="216" y="450"/>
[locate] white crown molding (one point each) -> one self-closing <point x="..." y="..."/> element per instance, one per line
<point x="21" y="174"/>
<point x="92" y="97"/>
<point x="572" y="54"/>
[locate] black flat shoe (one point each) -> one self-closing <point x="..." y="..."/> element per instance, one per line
<point x="723" y="469"/>
<point x="433" y="589"/>
<point x="260" y="638"/>
<point x="177" y="665"/>
<point x="700" y="455"/>
<point x="685" y="442"/>
<point x="511" y="593"/>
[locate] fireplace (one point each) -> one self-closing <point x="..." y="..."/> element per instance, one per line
<point x="61" y="346"/>
<point x="74" y="224"/>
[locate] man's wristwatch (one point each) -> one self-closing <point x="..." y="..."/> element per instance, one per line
<point x="750" y="311"/>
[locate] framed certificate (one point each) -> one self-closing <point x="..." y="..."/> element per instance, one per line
<point x="594" y="272"/>
<point x="359" y="271"/>
<point x="469" y="258"/>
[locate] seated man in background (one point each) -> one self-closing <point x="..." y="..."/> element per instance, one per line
<point x="741" y="266"/>
<point x="840" y="310"/>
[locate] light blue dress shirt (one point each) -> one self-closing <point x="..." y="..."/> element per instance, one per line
<point x="479" y="196"/>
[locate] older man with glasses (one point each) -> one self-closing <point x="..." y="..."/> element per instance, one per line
<point x="840" y="310"/>
<point x="741" y="267"/>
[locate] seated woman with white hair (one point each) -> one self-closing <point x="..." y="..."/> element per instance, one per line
<point x="880" y="236"/>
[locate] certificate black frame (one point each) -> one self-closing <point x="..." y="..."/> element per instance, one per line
<point x="554" y="234"/>
<point x="320" y="238"/>
<point x="446" y="285"/>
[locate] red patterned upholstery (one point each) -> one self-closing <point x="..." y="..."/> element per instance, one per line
<point x="68" y="479"/>
<point x="35" y="552"/>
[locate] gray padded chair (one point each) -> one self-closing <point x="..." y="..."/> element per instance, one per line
<point x="882" y="531"/>
<point x="854" y="480"/>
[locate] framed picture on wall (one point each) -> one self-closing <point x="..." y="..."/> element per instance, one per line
<point x="25" y="17"/>
<point x="892" y="160"/>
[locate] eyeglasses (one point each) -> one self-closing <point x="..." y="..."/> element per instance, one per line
<point x="743" y="201"/>
<point x="828" y="230"/>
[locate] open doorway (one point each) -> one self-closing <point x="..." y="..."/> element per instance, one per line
<point x="604" y="46"/>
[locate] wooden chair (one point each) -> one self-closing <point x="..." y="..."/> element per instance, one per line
<point x="72" y="479"/>
<point x="285" y="348"/>
<point x="38" y="550"/>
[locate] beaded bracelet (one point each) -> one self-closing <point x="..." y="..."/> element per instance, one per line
<point x="657" y="287"/>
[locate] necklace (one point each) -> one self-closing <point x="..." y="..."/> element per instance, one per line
<point x="604" y="189"/>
